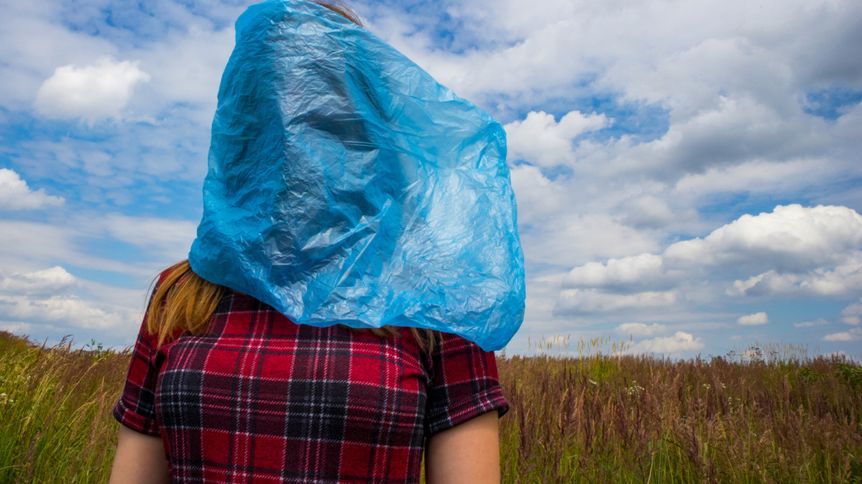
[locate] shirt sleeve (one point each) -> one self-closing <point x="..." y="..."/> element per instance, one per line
<point x="464" y="384"/>
<point x="135" y="408"/>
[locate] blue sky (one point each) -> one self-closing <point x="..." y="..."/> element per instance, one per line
<point x="688" y="175"/>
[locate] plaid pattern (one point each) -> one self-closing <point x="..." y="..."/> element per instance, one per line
<point x="259" y="398"/>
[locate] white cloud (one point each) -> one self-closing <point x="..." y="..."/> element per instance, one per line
<point x="166" y="236"/>
<point x="649" y="211"/>
<point x="91" y="92"/>
<point x="47" y="280"/>
<point x="853" y="334"/>
<point x="843" y="278"/>
<point x="16" y="195"/>
<point x="30" y="244"/>
<point x="67" y="240"/>
<point x="34" y="44"/>
<point x="15" y="327"/>
<point x="809" y="251"/>
<point x="811" y="324"/>
<point x="640" y="329"/>
<point x="677" y="343"/>
<point x="756" y="176"/>
<point x="567" y="239"/>
<point x="639" y="270"/>
<point x="852" y="314"/>
<point x="537" y="196"/>
<point x="68" y="311"/>
<point x="542" y="141"/>
<point x="755" y="319"/>
<point x="791" y="237"/>
<point x="577" y="301"/>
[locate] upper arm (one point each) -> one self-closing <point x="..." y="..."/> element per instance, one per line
<point x="140" y="459"/>
<point x="140" y="455"/>
<point x="136" y="407"/>
<point x="468" y="452"/>
<point x="465" y="401"/>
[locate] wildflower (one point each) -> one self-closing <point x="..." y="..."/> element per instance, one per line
<point x="634" y="389"/>
<point x="706" y="386"/>
<point x="3" y="399"/>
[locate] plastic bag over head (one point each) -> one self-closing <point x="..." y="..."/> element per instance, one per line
<point x="346" y="186"/>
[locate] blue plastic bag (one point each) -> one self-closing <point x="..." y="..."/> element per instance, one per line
<point x="346" y="186"/>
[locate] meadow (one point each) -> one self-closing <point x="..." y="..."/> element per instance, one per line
<point x="764" y="416"/>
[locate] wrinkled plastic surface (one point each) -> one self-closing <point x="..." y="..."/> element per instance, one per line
<point x="347" y="186"/>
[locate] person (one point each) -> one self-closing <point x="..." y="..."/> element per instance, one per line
<point x="221" y="387"/>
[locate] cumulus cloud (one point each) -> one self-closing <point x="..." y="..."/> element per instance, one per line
<point x="92" y="92"/>
<point x="65" y="310"/>
<point x="16" y="195"/>
<point x="726" y="262"/>
<point x="806" y="250"/>
<point x="822" y="281"/>
<point x="566" y="239"/>
<point x="755" y="319"/>
<point x="811" y="324"/>
<point x="42" y="298"/>
<point x="790" y="238"/>
<point x="853" y="334"/>
<point x="543" y="141"/>
<point x="852" y="314"/>
<point x="580" y="301"/>
<point x="44" y="281"/>
<point x="636" y="271"/>
<point x="537" y="196"/>
<point x="649" y="211"/>
<point x="640" y="329"/>
<point x="677" y="343"/>
<point x="756" y="176"/>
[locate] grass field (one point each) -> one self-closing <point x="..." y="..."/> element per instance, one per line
<point x="591" y="418"/>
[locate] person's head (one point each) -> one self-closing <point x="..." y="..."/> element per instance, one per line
<point x="186" y="302"/>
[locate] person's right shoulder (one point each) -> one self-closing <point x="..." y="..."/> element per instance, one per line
<point x="464" y="384"/>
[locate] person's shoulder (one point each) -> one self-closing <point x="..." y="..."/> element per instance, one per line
<point x="456" y="342"/>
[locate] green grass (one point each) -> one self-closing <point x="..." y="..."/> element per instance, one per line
<point x="590" y="418"/>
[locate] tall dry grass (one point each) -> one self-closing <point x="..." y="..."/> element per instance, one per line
<point x="589" y="417"/>
<point x="55" y="421"/>
<point x="755" y="417"/>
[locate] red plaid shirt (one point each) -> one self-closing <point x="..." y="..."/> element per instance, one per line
<point x="260" y="398"/>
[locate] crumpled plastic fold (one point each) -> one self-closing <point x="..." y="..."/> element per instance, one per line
<point x="347" y="186"/>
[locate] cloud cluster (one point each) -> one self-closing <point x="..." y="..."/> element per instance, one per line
<point x="852" y="314"/>
<point x="852" y="334"/>
<point x="692" y="178"/>
<point x="679" y="342"/>
<point x="547" y="143"/>
<point x="15" y="194"/>
<point x="755" y="319"/>
<point x="791" y="250"/>
<point x="48" y="281"/>
<point x="43" y="297"/>
<point x="90" y="92"/>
